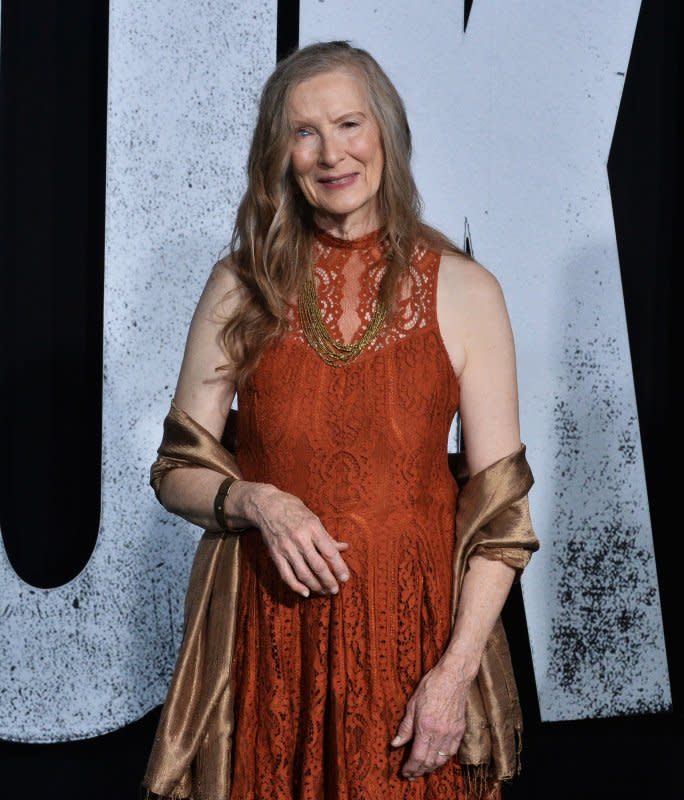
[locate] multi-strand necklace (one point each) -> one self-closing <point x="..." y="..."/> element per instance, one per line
<point x="332" y="351"/>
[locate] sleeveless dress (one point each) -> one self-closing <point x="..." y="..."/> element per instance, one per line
<point x="321" y="683"/>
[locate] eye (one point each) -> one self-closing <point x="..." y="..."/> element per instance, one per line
<point x="350" y="123"/>
<point x="302" y="133"/>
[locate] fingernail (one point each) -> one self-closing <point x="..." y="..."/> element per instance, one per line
<point x="334" y="590"/>
<point x="344" y="576"/>
<point x="395" y="741"/>
<point x="305" y="592"/>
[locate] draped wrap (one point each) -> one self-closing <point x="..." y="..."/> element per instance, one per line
<point x="191" y="752"/>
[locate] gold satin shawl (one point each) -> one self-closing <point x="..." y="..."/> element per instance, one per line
<point x="493" y="520"/>
<point x="191" y="753"/>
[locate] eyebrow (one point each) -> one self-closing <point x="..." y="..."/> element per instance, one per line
<point x="299" y="122"/>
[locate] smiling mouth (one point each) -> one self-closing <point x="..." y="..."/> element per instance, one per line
<point x="341" y="180"/>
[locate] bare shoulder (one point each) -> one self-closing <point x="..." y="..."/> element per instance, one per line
<point x="222" y="292"/>
<point x="469" y="298"/>
<point x="224" y="272"/>
<point x="465" y="281"/>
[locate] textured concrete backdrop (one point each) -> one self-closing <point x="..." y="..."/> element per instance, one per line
<point x="513" y="122"/>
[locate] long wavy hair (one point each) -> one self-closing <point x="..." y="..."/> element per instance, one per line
<point x="272" y="239"/>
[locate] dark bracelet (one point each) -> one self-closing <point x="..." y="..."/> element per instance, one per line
<point x="219" y="503"/>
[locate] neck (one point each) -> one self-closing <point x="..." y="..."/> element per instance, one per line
<point x="345" y="227"/>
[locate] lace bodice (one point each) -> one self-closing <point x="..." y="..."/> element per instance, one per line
<point x="348" y="274"/>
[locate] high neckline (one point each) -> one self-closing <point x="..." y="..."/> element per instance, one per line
<point x="360" y="243"/>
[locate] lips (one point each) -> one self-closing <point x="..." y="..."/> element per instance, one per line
<point x="333" y="181"/>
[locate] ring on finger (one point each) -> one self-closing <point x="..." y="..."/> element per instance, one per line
<point x="440" y="753"/>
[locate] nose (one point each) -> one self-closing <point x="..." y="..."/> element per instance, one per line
<point x="330" y="152"/>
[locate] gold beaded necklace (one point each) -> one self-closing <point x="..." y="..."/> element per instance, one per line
<point x="333" y="352"/>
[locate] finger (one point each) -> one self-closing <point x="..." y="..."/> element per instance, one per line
<point x="432" y="761"/>
<point x="287" y="574"/>
<point x="328" y="548"/>
<point x="432" y="764"/>
<point x="439" y="753"/>
<point x="450" y="747"/>
<point x="320" y="568"/>
<point x="416" y="762"/>
<point x="444" y="750"/>
<point x="302" y="570"/>
<point x="405" y="729"/>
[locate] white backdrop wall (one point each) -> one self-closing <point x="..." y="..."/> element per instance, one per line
<point x="512" y="122"/>
<point x="97" y="653"/>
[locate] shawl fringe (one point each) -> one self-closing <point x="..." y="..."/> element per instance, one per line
<point x="148" y="794"/>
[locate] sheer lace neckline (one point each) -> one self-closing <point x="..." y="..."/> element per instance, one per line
<point x="360" y="243"/>
<point x="348" y="278"/>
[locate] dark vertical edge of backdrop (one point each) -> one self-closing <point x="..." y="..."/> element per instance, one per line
<point x="287" y="33"/>
<point x="467" y="7"/>
<point x="53" y="152"/>
<point x="643" y="175"/>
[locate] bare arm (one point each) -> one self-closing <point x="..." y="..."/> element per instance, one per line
<point x="477" y="334"/>
<point x="307" y="557"/>
<point x="207" y="395"/>
<point x="476" y="328"/>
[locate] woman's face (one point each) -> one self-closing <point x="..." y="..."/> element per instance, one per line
<point x="336" y="153"/>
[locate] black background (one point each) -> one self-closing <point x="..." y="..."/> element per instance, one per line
<point x="52" y="156"/>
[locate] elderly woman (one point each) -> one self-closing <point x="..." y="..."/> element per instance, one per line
<point x="334" y="628"/>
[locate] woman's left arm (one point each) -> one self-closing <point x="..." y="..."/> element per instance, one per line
<point x="476" y="330"/>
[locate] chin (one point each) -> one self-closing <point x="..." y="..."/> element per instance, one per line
<point x="342" y="208"/>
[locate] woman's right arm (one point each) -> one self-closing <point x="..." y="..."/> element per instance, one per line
<point x="303" y="551"/>
<point x="206" y="395"/>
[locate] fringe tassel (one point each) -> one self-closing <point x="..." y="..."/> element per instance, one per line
<point x="148" y="794"/>
<point x="518" y="749"/>
<point x="477" y="784"/>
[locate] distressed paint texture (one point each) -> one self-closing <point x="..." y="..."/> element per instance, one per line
<point x="97" y="653"/>
<point x="512" y="123"/>
<point x="607" y="625"/>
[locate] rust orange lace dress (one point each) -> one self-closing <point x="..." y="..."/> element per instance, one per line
<point x="321" y="683"/>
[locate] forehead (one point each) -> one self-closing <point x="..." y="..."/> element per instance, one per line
<point x="330" y="94"/>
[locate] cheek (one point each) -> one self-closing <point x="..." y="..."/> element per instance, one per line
<point x="302" y="161"/>
<point x="371" y="153"/>
<point x="377" y="164"/>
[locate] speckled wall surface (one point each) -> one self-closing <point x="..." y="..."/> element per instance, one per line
<point x="97" y="653"/>
<point x="513" y="122"/>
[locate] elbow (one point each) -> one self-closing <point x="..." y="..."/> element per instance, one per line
<point x="165" y="494"/>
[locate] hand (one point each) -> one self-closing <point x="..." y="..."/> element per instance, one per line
<point x="435" y="718"/>
<point x="306" y="556"/>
